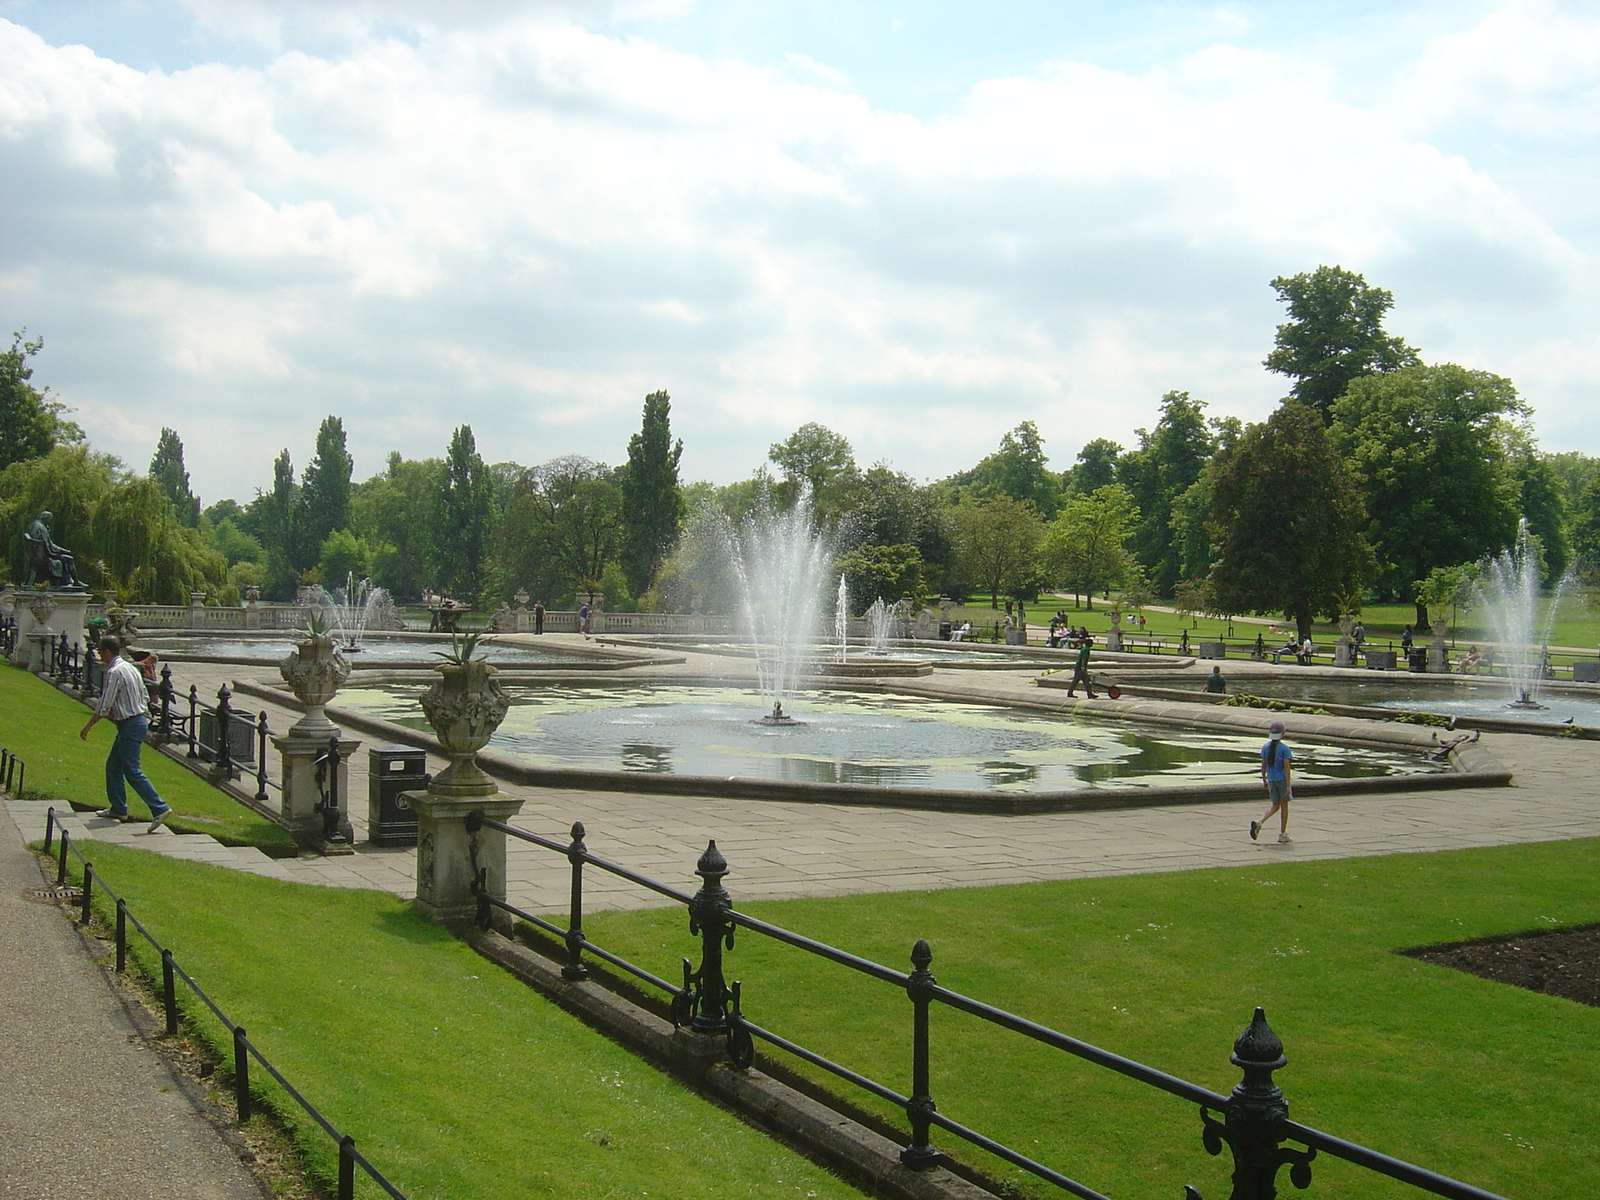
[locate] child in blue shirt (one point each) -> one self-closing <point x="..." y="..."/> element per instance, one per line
<point x="1276" y="774"/>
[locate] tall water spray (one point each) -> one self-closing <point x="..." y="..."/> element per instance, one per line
<point x="348" y="610"/>
<point x="783" y="565"/>
<point x="1508" y="592"/>
<point x="880" y="627"/>
<point x="841" y="619"/>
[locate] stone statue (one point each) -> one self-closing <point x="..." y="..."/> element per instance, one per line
<point x="121" y="623"/>
<point x="47" y="562"/>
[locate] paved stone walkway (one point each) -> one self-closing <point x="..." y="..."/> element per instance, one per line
<point x="782" y="849"/>
<point x="86" y="1110"/>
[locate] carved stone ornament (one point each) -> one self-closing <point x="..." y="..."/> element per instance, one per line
<point x="314" y="669"/>
<point x="465" y="706"/>
<point x="41" y="606"/>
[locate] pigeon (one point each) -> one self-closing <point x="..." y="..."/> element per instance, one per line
<point x="1569" y="720"/>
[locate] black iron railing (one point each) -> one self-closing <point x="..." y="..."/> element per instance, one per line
<point x="8" y="637"/>
<point x="1252" y="1121"/>
<point x="13" y="773"/>
<point x="243" y="1048"/>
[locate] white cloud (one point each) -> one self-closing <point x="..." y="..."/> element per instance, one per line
<point x="529" y="223"/>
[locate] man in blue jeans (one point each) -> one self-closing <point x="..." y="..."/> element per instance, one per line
<point x="122" y="700"/>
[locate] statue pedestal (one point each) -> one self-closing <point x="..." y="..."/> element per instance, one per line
<point x="447" y="852"/>
<point x="1344" y="653"/>
<point x="298" y="757"/>
<point x="42" y="617"/>
<point x="1438" y="664"/>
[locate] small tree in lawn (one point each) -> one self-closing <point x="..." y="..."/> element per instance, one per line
<point x="997" y="539"/>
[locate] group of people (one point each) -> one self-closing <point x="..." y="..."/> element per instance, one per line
<point x="1064" y="636"/>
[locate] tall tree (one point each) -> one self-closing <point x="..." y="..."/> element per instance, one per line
<point x="325" y="490"/>
<point x="561" y="530"/>
<point x="1287" y="521"/>
<point x="1334" y="334"/>
<point x="30" y="421"/>
<point x="167" y="469"/>
<point x="396" y="513"/>
<point x="1017" y="469"/>
<point x="1095" y="468"/>
<point x="1086" y="546"/>
<point x="815" y="456"/>
<point x="462" y="528"/>
<point x="1542" y="500"/>
<point x="1428" y="445"/>
<point x="997" y="538"/>
<point x="1168" y="461"/>
<point x="652" y="507"/>
<point x="279" y="520"/>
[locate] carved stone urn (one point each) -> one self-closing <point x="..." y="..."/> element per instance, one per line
<point x="314" y="669"/>
<point x="465" y="706"/>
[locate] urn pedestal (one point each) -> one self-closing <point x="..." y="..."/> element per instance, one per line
<point x="455" y="854"/>
<point x="42" y="617"/>
<point x="314" y="669"/>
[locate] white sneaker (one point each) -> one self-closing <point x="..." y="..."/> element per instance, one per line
<point x="156" y="822"/>
<point x="1285" y="840"/>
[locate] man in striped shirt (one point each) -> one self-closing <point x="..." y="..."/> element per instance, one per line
<point x="123" y="700"/>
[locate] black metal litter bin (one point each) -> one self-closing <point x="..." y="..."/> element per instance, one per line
<point x="391" y="772"/>
<point x="944" y="630"/>
<point x="1417" y="660"/>
<point x="241" y="740"/>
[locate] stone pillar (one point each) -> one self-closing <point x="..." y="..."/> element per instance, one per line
<point x="197" y="604"/>
<point x="1344" y="650"/>
<point x="450" y="846"/>
<point x="298" y="754"/>
<point x="42" y="617"/>
<point x="1114" y="634"/>
<point x="1438" y="662"/>
<point x="252" y="607"/>
<point x="524" y="620"/>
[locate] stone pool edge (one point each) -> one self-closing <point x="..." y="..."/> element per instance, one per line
<point x="1471" y="765"/>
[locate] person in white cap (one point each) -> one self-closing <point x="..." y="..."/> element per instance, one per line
<point x="1276" y="777"/>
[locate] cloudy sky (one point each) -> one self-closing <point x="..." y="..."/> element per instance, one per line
<point x="917" y="223"/>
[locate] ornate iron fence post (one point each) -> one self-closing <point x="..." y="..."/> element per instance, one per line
<point x="574" y="968"/>
<point x="194" y="721"/>
<point x="261" y="757"/>
<point x="328" y="806"/>
<point x="49" y="821"/>
<point x="919" y="1155"/>
<point x="88" y="891"/>
<point x="165" y="691"/>
<point x="224" y="733"/>
<point x="61" y="863"/>
<point x="1253" y="1124"/>
<point x="705" y="990"/>
<point x="122" y="935"/>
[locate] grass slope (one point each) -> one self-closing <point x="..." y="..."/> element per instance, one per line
<point x="41" y="724"/>
<point x="1479" y="1080"/>
<point x="455" y="1080"/>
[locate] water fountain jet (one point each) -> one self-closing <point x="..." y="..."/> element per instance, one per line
<point x="1508" y="590"/>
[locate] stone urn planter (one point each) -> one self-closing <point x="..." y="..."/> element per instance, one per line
<point x="465" y="706"/>
<point x="314" y="669"/>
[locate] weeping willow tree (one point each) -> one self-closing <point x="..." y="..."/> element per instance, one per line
<point x="121" y="528"/>
<point x="70" y="482"/>
<point x="146" y="552"/>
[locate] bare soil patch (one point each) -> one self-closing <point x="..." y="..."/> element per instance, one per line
<point x="1557" y="962"/>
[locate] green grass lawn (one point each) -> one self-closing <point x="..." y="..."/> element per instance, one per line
<point x="1482" y="1081"/>
<point x="455" y="1079"/>
<point x="41" y="724"/>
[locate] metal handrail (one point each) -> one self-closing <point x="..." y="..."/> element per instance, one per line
<point x="244" y="1049"/>
<point x="1256" y="1116"/>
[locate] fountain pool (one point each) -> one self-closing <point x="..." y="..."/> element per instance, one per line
<point x="1447" y="697"/>
<point x="376" y="651"/>
<point x="866" y="738"/>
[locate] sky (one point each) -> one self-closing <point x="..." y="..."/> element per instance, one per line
<point x="917" y="223"/>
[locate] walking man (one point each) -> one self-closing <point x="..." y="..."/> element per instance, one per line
<point x="538" y="617"/>
<point x="123" y="701"/>
<point x="1276" y="778"/>
<point x="1080" y="670"/>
